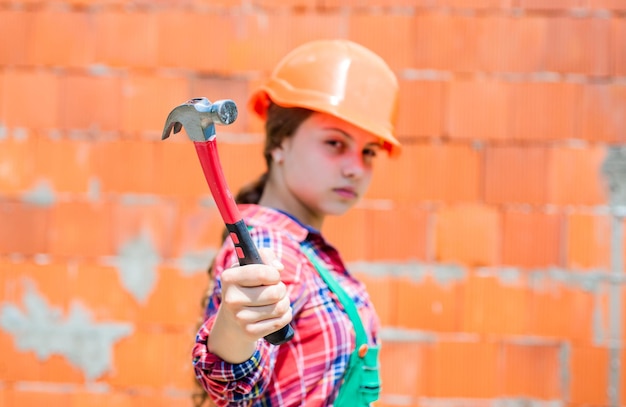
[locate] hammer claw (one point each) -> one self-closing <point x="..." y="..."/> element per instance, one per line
<point x="198" y="116"/>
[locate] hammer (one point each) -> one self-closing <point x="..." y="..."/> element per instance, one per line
<point x="199" y="116"/>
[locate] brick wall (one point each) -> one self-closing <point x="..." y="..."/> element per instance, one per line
<point x="493" y="248"/>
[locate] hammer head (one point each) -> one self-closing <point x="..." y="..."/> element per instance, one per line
<point x="198" y="116"/>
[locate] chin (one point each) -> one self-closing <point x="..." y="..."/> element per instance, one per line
<point x="339" y="209"/>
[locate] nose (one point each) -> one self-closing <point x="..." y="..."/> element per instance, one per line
<point x="354" y="166"/>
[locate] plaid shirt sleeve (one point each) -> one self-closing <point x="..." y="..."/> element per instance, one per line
<point x="240" y="384"/>
<point x="230" y="384"/>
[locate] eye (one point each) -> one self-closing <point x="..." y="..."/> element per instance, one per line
<point x="370" y="152"/>
<point x="335" y="144"/>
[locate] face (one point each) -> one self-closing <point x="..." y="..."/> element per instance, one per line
<point x="323" y="169"/>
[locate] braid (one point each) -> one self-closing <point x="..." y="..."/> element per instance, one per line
<point x="251" y="193"/>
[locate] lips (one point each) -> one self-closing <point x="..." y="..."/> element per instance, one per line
<point x="346" y="192"/>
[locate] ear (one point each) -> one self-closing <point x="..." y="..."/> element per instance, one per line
<point x="277" y="155"/>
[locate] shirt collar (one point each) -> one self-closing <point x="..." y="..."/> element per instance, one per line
<point x="256" y="215"/>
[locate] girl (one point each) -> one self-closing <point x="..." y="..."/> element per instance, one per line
<point x="329" y="109"/>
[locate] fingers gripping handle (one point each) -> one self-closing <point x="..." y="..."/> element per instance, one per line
<point x="247" y="252"/>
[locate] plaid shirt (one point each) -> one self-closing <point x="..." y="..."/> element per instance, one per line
<point x="308" y="369"/>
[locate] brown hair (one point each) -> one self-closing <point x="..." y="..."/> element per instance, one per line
<point x="282" y="122"/>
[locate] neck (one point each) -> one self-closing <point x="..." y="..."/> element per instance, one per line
<point x="277" y="198"/>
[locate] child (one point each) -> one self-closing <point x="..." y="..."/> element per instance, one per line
<point x="329" y="108"/>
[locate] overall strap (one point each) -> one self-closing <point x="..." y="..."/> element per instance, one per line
<point x="344" y="298"/>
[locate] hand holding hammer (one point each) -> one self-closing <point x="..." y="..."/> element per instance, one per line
<point x="199" y="116"/>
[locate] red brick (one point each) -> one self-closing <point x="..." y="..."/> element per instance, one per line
<point x="617" y="5"/>
<point x="148" y="100"/>
<point x="220" y="3"/>
<point x="3" y="101"/>
<point x="576" y="176"/>
<point x="120" y="43"/>
<point x="58" y="369"/>
<point x="81" y="229"/>
<point x="91" y="102"/>
<point x="420" y="108"/>
<point x="66" y="165"/>
<point x="467" y="234"/>
<point x="176" y="46"/>
<point x="284" y="4"/>
<point x="134" y="169"/>
<point x="434" y="180"/>
<point x="130" y="397"/>
<point x="17" y="365"/>
<point x="588" y="241"/>
<point x="333" y="4"/>
<point x="304" y="26"/>
<point x="550" y="297"/>
<point x="166" y="307"/>
<point x="391" y="177"/>
<point x="602" y="117"/>
<point x="178" y="362"/>
<point x="257" y="43"/>
<point x="424" y="303"/>
<point x="25" y="228"/>
<point x="366" y="29"/>
<point x="198" y="229"/>
<point x="14" y="24"/>
<point x="423" y="173"/>
<point x="467" y="369"/>
<point x="546" y="110"/>
<point x="134" y="219"/>
<point x="449" y="42"/>
<point x="348" y="234"/>
<point x="517" y="43"/>
<point x="251" y="42"/>
<point x="382" y="291"/>
<point x="162" y="398"/>
<point x="138" y="361"/>
<point x="18" y="171"/>
<point x="85" y="398"/>
<point x="178" y="170"/>
<point x="496" y="289"/>
<point x="21" y="88"/>
<point x="61" y="38"/>
<point x="534" y="370"/>
<point x="551" y="4"/>
<point x="166" y="4"/>
<point x="37" y="397"/>
<point x="578" y="45"/>
<point x="532" y="239"/>
<point x="479" y="110"/>
<point x="476" y="4"/>
<point x="42" y="279"/>
<point x="99" y="289"/>
<point x="516" y="174"/>
<point x="401" y="233"/>
<point x="233" y="154"/>
<point x="589" y="375"/>
<point x="413" y="379"/>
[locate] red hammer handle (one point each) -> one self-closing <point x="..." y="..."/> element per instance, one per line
<point x="247" y="252"/>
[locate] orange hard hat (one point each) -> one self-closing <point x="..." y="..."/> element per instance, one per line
<point x="338" y="77"/>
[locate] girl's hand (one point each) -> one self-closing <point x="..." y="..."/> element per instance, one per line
<point x="254" y="304"/>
